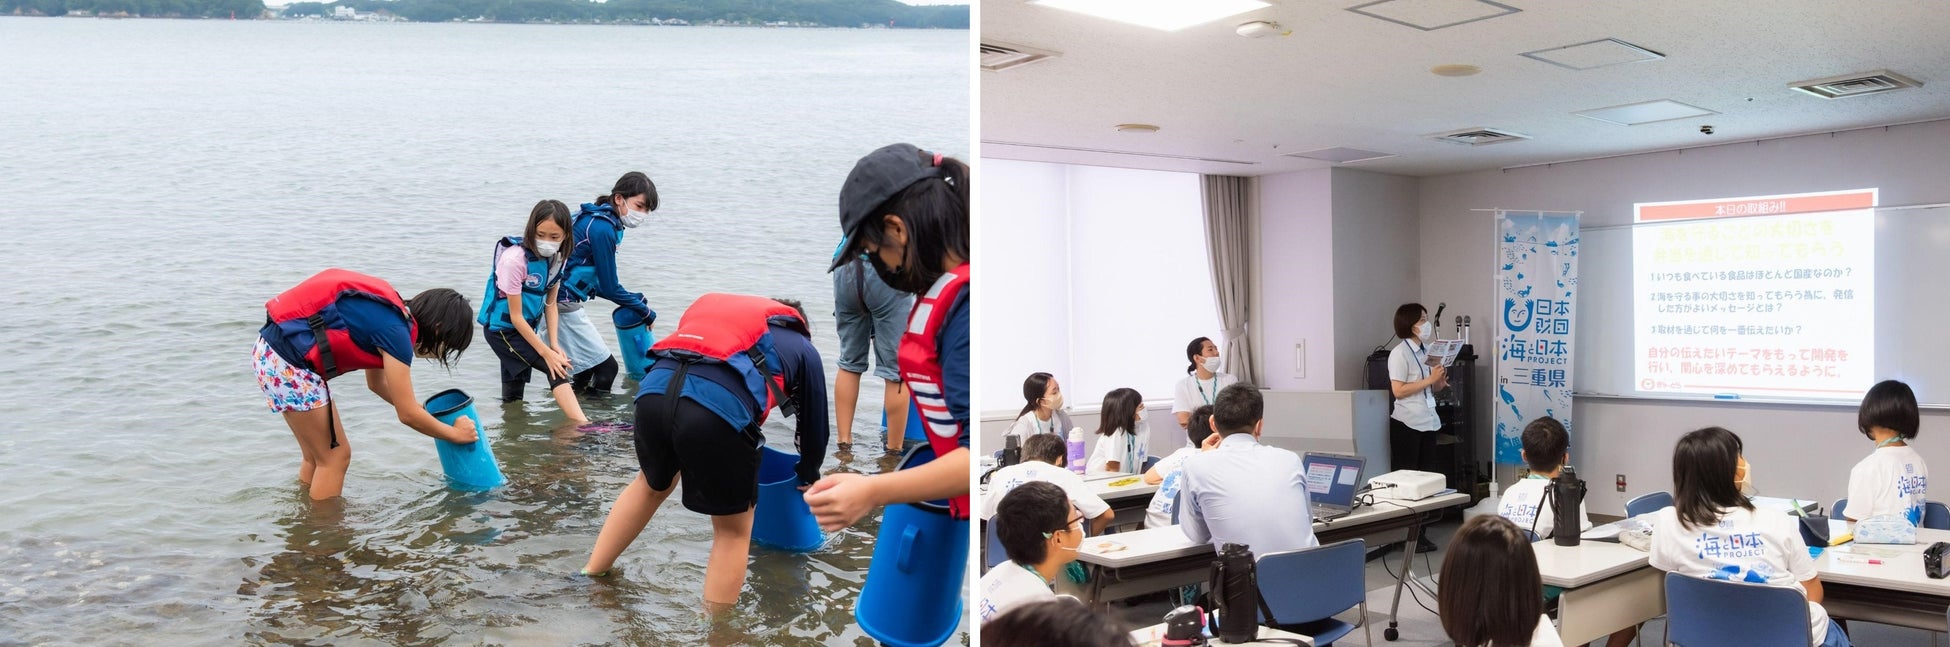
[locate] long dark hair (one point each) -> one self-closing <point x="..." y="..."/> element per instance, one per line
<point x="1489" y="585"/>
<point x="445" y="325"/>
<point x="548" y="211"/>
<point x="935" y="212"/>
<point x="1119" y="411"/>
<point x="1704" y="464"/>
<point x="1054" y="623"/>
<point x="1193" y="351"/>
<point x="1033" y="390"/>
<point x="632" y="184"/>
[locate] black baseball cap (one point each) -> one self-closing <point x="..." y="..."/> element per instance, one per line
<point x="875" y="179"/>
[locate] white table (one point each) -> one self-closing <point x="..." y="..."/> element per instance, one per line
<point x="1150" y="637"/>
<point x="1607" y="587"/>
<point x="1155" y="559"/>
<point x="1894" y="592"/>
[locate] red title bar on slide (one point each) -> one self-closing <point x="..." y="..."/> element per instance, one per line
<point x="1757" y="206"/>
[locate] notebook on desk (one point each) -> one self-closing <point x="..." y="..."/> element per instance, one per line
<point x="1332" y="480"/>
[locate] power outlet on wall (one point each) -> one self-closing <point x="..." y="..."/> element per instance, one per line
<point x="1621" y="482"/>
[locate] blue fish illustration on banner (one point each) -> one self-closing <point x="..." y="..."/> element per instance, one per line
<point x="1537" y="289"/>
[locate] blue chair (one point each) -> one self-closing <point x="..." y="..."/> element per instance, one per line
<point x="1644" y="503"/>
<point x="1304" y="588"/>
<point x="1705" y="612"/>
<point x="1528" y="535"/>
<point x="1936" y="516"/>
<point x="1836" y="512"/>
<point x="992" y="552"/>
<point x="1148" y="463"/>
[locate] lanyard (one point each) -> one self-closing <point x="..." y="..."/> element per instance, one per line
<point x="1892" y="439"/>
<point x="1202" y="395"/>
<point x="1421" y="359"/>
<point x="1046" y="581"/>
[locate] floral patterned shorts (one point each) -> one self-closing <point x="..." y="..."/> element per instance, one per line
<point x="286" y="387"/>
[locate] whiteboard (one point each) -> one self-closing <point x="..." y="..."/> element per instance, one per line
<point x="1911" y="320"/>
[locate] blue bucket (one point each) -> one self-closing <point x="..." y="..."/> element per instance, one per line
<point x="913" y="594"/>
<point x="916" y="432"/>
<point x="469" y="468"/>
<point x="782" y="519"/>
<point x="633" y="341"/>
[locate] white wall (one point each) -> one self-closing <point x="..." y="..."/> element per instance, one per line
<point x="1295" y="289"/>
<point x="1024" y="210"/>
<point x="1376" y="235"/>
<point x="1796" y="450"/>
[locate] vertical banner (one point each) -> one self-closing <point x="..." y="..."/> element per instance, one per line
<point x="1537" y="289"/>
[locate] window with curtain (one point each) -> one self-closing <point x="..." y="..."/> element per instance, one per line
<point x="1095" y="275"/>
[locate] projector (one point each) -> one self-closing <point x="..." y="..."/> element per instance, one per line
<point x="1407" y="485"/>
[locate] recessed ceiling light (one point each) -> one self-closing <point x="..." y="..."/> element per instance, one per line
<point x="1455" y="70"/>
<point x="1167" y="15"/>
<point x="1136" y="128"/>
<point x="1633" y="114"/>
<point x="1430" y="15"/>
<point x="1261" y="29"/>
<point x="1595" y="54"/>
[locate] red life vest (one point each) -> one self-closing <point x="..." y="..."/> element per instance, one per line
<point x="920" y="363"/>
<point x="732" y="329"/>
<point x="313" y="306"/>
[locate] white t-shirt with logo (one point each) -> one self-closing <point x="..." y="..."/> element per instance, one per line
<point x="1193" y="393"/>
<point x="1010" y="585"/>
<point x="1166" y="500"/>
<point x="1406" y="364"/>
<point x="1761" y="546"/>
<point x="1122" y="446"/>
<point x="1521" y="503"/>
<point x="1007" y="478"/>
<point x="1891" y="480"/>
<point x="1028" y="425"/>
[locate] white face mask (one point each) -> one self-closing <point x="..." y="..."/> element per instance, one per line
<point x="1213" y="363"/>
<point x="547" y="247"/>
<point x="634" y="219"/>
<point x="1426" y="331"/>
<point x="1140" y="416"/>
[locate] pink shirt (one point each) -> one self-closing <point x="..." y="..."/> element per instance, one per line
<point x="509" y="271"/>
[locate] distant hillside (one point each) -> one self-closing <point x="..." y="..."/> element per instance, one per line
<point x="830" y="13"/>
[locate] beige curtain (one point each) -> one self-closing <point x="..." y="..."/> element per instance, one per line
<point x="1229" y="247"/>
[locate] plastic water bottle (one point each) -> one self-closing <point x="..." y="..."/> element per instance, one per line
<point x="1076" y="450"/>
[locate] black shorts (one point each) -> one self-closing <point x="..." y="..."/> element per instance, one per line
<point x="518" y="359"/>
<point x="719" y="463"/>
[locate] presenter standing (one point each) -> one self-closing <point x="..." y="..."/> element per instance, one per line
<point x="1413" y="425"/>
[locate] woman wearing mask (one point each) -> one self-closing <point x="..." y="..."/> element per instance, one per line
<point x="521" y="294"/>
<point x="1413" y="425"/>
<point x="1043" y="412"/>
<point x="591" y="272"/>
<point x="1122" y="446"/>
<point x="1202" y="380"/>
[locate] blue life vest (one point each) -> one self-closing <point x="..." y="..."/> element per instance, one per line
<point x="534" y="290"/>
<point x="579" y="281"/>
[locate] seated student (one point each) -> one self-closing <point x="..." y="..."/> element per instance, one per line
<point x="1054" y="623"/>
<point x="1243" y="492"/>
<point x="1040" y="532"/>
<point x="1891" y="479"/>
<point x="1166" y="473"/>
<point x="1546" y="448"/>
<point x="1714" y="531"/>
<point x="1121" y="425"/>
<point x="1043" y="411"/>
<point x="1489" y="588"/>
<point x="1043" y="460"/>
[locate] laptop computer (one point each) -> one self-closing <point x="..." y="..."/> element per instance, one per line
<point x="1332" y="480"/>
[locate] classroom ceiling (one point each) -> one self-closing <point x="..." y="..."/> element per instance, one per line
<point x="1344" y="79"/>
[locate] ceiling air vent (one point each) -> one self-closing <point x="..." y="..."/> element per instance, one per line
<point x="1855" y="85"/>
<point x="997" y="57"/>
<point x="1479" y="136"/>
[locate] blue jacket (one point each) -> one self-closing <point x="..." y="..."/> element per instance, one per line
<point x="591" y="270"/>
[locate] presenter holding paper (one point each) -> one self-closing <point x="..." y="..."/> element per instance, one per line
<point x="1412" y="430"/>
